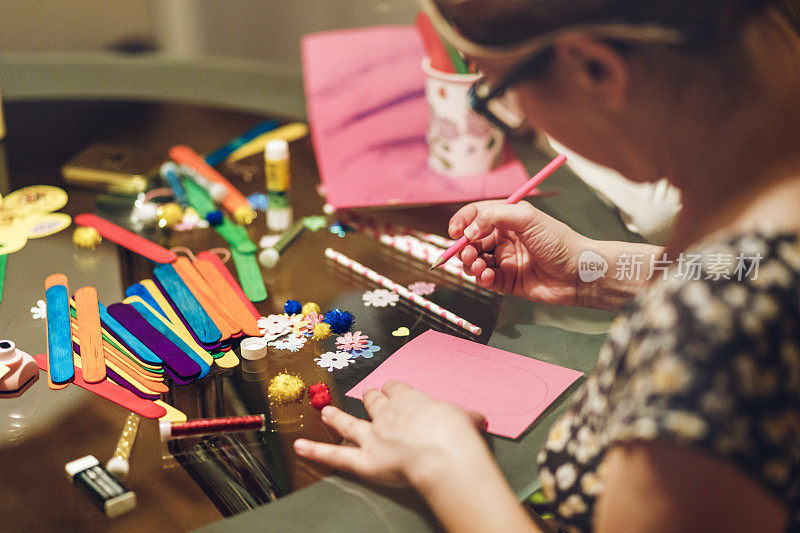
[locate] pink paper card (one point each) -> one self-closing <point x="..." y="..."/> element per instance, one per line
<point x="509" y="389"/>
<point x="368" y="115"/>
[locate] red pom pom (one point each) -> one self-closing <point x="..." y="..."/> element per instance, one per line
<point x="321" y="399"/>
<point x="316" y="389"/>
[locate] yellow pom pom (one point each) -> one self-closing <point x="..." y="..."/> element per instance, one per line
<point x="86" y="237"/>
<point x="321" y="331"/>
<point x="169" y="215"/>
<point x="244" y="215"/>
<point x="286" y="388"/>
<point x="310" y="307"/>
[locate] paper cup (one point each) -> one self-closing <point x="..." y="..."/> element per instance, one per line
<point x="460" y="142"/>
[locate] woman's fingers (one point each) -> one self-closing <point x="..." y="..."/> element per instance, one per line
<point x="346" y="425"/>
<point x="340" y="457"/>
<point x="478" y="419"/>
<point x="392" y="388"/>
<point x="374" y="400"/>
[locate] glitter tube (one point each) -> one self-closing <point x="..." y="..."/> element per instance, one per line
<point x="209" y="426"/>
<point x="402" y="291"/>
<point x="119" y="463"/>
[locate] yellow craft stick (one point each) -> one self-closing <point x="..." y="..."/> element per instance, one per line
<point x="173" y="415"/>
<point x="181" y="332"/>
<point x="229" y="360"/>
<point x="288" y="132"/>
<point x="124" y="375"/>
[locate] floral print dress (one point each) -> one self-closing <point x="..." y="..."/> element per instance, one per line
<point x="711" y="362"/>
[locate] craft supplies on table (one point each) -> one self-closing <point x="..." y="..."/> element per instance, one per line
<point x="126" y="239"/>
<point x="269" y="256"/>
<point x="209" y="426"/>
<point x="59" y="336"/>
<point x="402" y="291"/>
<point x="222" y="153"/>
<point x="423" y="254"/>
<point x="119" y="464"/>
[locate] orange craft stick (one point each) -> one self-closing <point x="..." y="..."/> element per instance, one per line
<point x="234" y="201"/>
<point x="207" y="298"/>
<point x="228" y="297"/>
<point x="89" y="336"/>
<point x="226" y="274"/>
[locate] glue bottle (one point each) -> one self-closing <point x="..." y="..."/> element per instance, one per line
<point x="279" y="179"/>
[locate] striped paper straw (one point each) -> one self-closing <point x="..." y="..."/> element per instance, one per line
<point x="423" y="255"/>
<point x="355" y="266"/>
<point x="376" y="229"/>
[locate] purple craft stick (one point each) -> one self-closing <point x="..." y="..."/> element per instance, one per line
<point x="119" y="380"/>
<point x="176" y="362"/>
<point x="208" y="347"/>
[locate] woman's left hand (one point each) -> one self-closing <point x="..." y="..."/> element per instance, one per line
<point x="411" y="440"/>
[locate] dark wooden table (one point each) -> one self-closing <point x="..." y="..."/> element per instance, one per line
<point x="46" y="429"/>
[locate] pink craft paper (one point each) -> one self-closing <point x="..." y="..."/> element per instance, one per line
<point x="368" y="115"/>
<point x="509" y="389"/>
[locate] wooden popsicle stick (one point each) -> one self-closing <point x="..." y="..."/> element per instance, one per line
<point x="244" y="318"/>
<point x="89" y="335"/>
<point x="126" y="239"/>
<point x="112" y="392"/>
<point x="59" y="337"/>
<point x="130" y="379"/>
<point x="250" y="278"/>
<point x="134" y="345"/>
<point x="189" y="307"/>
<point x="200" y="356"/>
<point x="226" y="274"/>
<point x="228" y="360"/>
<point x="173" y="415"/>
<point x="192" y="278"/>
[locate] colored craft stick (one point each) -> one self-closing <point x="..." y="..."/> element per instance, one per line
<point x="59" y="336"/>
<point x="219" y="155"/>
<point x="126" y="239"/>
<point x="250" y="276"/>
<point x="235" y="235"/>
<point x="210" y="302"/>
<point x="434" y="47"/>
<point x="112" y="392"/>
<point x="458" y="62"/>
<point x="187" y="305"/>
<point x="372" y="227"/>
<point x="169" y="171"/>
<point x="234" y="201"/>
<point x="401" y="290"/>
<point x="518" y="195"/>
<point x="127" y="380"/>
<point x="227" y="295"/>
<point x="173" y="415"/>
<point x="137" y="289"/>
<point x="423" y="255"/>
<point x="289" y="132"/>
<point x="226" y="274"/>
<point x="3" y="261"/>
<point x="90" y="337"/>
<point x="188" y="346"/>
<point x="228" y="360"/>
<point x="176" y="362"/>
<point x="134" y="345"/>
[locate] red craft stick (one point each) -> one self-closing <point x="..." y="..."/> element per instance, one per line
<point x="112" y="392"/>
<point x="217" y="262"/>
<point x="126" y="239"/>
<point x="434" y="47"/>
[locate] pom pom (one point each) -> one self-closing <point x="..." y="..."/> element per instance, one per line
<point x="286" y="388"/>
<point x="244" y="215"/>
<point x="215" y="218"/>
<point x="317" y="388"/>
<point x="321" y="331"/>
<point x="86" y="237"/>
<point x="292" y="307"/>
<point x="339" y="320"/>
<point x="321" y="399"/>
<point x="310" y="307"/>
<point x="169" y="215"/>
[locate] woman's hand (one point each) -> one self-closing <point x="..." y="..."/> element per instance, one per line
<point x="516" y="249"/>
<point x="411" y="440"/>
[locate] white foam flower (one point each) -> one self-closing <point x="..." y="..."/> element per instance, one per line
<point x="290" y="343"/>
<point x="380" y="298"/>
<point x="39" y="311"/>
<point x="334" y="360"/>
<point x="275" y="325"/>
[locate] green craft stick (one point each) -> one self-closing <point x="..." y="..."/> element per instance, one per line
<point x="458" y="62"/>
<point x="3" y="259"/>
<point x="234" y="234"/>
<point x="249" y="276"/>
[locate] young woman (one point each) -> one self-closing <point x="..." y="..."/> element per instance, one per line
<point x="691" y="419"/>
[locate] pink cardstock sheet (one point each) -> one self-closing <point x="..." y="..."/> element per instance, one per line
<point x="511" y="390"/>
<point x="365" y="92"/>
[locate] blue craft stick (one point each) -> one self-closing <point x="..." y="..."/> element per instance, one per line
<point x="168" y="333"/>
<point x="59" y="334"/>
<point x="220" y="154"/>
<point x="127" y="338"/>
<point x="137" y="289"/>
<point x="169" y="171"/>
<point x="187" y="305"/>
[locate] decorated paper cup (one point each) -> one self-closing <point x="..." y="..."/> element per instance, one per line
<point x="460" y="142"/>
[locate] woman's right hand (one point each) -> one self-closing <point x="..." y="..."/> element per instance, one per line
<point x="516" y="249"/>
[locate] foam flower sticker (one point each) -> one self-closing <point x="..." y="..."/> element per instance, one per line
<point x="314" y="318"/>
<point x="333" y="360"/>
<point x="422" y="288"/>
<point x="275" y="325"/>
<point x="352" y="341"/>
<point x="301" y="327"/>
<point x="380" y="298"/>
<point x="366" y="352"/>
<point x="39" y="311"/>
<point x="293" y="344"/>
